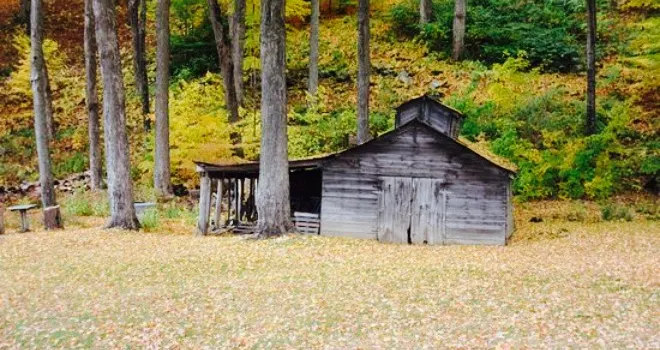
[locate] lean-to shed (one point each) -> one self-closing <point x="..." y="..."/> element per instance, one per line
<point x="415" y="184"/>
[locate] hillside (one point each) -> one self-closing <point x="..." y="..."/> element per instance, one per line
<point x="521" y="88"/>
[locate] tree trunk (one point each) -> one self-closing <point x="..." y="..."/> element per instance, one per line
<point x="120" y="185"/>
<point x="591" y="68"/>
<point x="137" y="16"/>
<point x="425" y="11"/>
<point x="364" y="71"/>
<point x="238" y="44"/>
<point x="162" y="157"/>
<point x="92" y="99"/>
<point x="314" y="49"/>
<point x="459" y="29"/>
<point x="223" y="46"/>
<point x="40" y="102"/>
<point x="273" y="203"/>
<point x="50" y="119"/>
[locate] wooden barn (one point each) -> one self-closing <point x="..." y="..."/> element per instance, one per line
<point x="415" y="184"/>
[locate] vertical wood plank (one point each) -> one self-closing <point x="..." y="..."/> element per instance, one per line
<point x="251" y="197"/>
<point x="229" y="205"/>
<point x="421" y="216"/>
<point x="445" y="200"/>
<point x="218" y="205"/>
<point x="394" y="213"/>
<point x="239" y="199"/>
<point x="204" y="204"/>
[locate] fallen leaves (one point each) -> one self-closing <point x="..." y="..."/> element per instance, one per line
<point x="597" y="286"/>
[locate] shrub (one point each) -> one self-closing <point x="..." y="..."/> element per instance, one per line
<point x="150" y="219"/>
<point x="78" y="204"/>
<point x="612" y="212"/>
<point x="550" y="32"/>
<point x="86" y="203"/>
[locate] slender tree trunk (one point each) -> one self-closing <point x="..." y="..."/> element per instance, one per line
<point x="137" y="16"/>
<point x="40" y="105"/>
<point x="92" y="99"/>
<point x="223" y="46"/>
<point x="162" y="157"/>
<point x="364" y="71"/>
<point x="120" y="185"/>
<point x="273" y="203"/>
<point x="314" y="49"/>
<point x="591" y="67"/>
<point x="50" y="118"/>
<point x="238" y="45"/>
<point x="459" y="29"/>
<point x="425" y="11"/>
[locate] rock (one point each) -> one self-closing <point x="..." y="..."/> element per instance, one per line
<point x="435" y="84"/>
<point x="404" y="77"/>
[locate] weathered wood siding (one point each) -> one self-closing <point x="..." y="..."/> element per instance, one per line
<point x="477" y="198"/>
<point x="431" y="112"/>
<point x="510" y="226"/>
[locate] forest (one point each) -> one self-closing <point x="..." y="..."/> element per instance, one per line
<point x="526" y="186"/>
<point x="520" y="81"/>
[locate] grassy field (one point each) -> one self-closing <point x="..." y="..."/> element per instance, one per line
<point x="557" y="284"/>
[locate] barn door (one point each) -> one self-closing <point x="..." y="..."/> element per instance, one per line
<point x="428" y="214"/>
<point x="394" y="204"/>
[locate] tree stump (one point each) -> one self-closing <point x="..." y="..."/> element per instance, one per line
<point x="2" y="220"/>
<point x="52" y="218"/>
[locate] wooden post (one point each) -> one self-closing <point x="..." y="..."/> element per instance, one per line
<point x="229" y="184"/>
<point x="251" y="199"/>
<point x="238" y="202"/>
<point x="218" y="205"/>
<point x="204" y="203"/>
<point x="25" y="225"/>
<point x="52" y="218"/>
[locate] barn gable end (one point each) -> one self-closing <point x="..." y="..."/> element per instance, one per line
<point x="473" y="191"/>
<point x="432" y="112"/>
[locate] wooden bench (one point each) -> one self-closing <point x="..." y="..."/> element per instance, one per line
<point x="23" y="209"/>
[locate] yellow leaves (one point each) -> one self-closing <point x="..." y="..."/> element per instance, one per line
<point x="99" y="289"/>
<point x="198" y="124"/>
<point x="19" y="81"/>
<point x="645" y="5"/>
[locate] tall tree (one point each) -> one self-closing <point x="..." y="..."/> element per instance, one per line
<point x="591" y="67"/>
<point x="91" y="99"/>
<point x="223" y="46"/>
<point x="162" y="182"/>
<point x="459" y="29"/>
<point x="238" y="46"/>
<point x="314" y="49"/>
<point x="425" y="11"/>
<point x="24" y="17"/>
<point x="120" y="186"/>
<point x="273" y="204"/>
<point x="137" y="17"/>
<point x="40" y="104"/>
<point x="50" y="118"/>
<point x="364" y="71"/>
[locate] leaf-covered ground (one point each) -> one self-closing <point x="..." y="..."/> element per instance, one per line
<point x="594" y="285"/>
